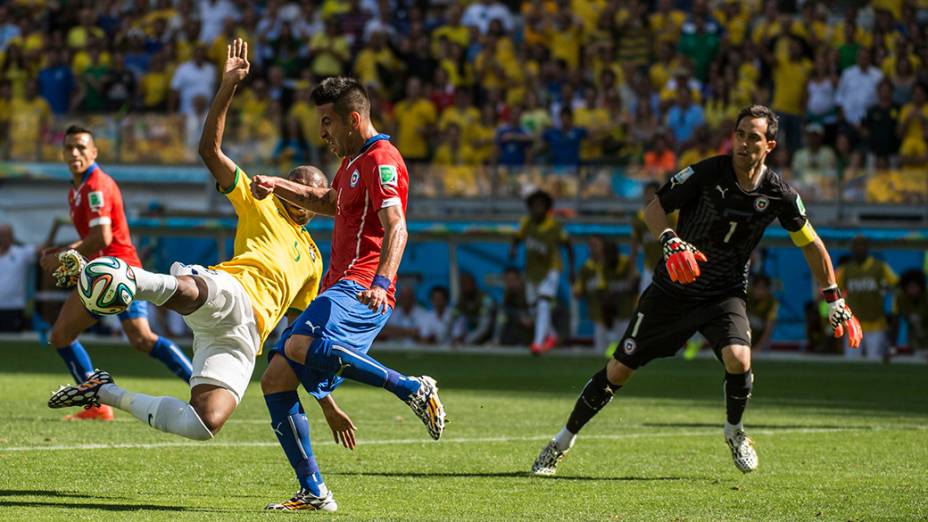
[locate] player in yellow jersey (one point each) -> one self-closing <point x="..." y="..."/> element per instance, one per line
<point x="543" y="236"/>
<point x="231" y="307"/>
<point x="867" y="281"/>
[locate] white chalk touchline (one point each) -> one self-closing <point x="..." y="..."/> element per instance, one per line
<point x="473" y="440"/>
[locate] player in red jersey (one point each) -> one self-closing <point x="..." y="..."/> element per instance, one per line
<point x="97" y="214"/>
<point x="330" y="339"/>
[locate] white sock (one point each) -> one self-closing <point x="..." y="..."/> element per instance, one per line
<point x="565" y="439"/>
<point x="731" y="429"/>
<point x="162" y="413"/>
<point x="542" y="320"/>
<point x="156" y="288"/>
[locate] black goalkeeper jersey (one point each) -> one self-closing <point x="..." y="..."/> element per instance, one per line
<point x="725" y="222"/>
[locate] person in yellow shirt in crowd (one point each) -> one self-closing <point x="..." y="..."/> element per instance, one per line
<point x="455" y="164"/>
<point x="375" y="60"/>
<point x="666" y="22"/>
<point x="543" y="237"/>
<point x="14" y="69"/>
<point x="565" y="39"/>
<point x="155" y="84"/>
<point x="415" y="118"/>
<point x="303" y="111"/>
<point x="451" y="29"/>
<point x="701" y="147"/>
<point x="330" y="51"/>
<point x="913" y="128"/>
<point x="867" y="281"/>
<point x="910" y="306"/>
<point x="595" y="118"/>
<point x="30" y="117"/>
<point x="791" y="72"/>
<point x="478" y="146"/>
<point x="608" y="282"/>
<point x="763" y="308"/>
<point x="80" y="35"/>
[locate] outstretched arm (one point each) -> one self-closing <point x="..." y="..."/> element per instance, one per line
<point x="820" y="263"/>
<point x="321" y="200"/>
<point x="236" y="69"/>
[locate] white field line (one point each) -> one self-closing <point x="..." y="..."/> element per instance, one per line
<point x="472" y="440"/>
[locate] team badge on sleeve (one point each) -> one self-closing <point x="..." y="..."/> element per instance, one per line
<point x="387" y="174"/>
<point x="95" y="200"/>
<point x="680" y="177"/>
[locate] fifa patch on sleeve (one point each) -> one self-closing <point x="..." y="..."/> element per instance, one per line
<point x="387" y="174"/>
<point x="680" y="177"/>
<point x="95" y="200"/>
<point x="799" y="206"/>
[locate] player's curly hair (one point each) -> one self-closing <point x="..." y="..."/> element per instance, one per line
<point x="346" y="95"/>
<point x="761" y="111"/>
<point x="542" y="196"/>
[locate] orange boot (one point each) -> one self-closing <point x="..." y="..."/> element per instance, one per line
<point x="102" y="413"/>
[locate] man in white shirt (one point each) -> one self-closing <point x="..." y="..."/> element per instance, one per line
<point x="195" y="77"/>
<point x="815" y="165"/>
<point x="407" y="318"/>
<point x="479" y="14"/>
<point x="213" y="14"/>
<point x="857" y="88"/>
<point x="435" y="325"/>
<point x="15" y="261"/>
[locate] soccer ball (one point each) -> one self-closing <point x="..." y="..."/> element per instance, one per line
<point x="107" y="286"/>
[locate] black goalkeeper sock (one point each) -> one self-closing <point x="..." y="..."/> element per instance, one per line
<point x="738" y="388"/>
<point x="597" y="393"/>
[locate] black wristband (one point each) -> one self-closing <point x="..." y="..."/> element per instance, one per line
<point x="832" y="293"/>
<point x="667" y="235"/>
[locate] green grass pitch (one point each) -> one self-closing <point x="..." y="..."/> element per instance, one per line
<point x="836" y="442"/>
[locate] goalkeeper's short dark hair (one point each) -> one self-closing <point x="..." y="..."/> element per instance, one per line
<point x="346" y="95"/>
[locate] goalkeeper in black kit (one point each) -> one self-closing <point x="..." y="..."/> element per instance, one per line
<point x="725" y="203"/>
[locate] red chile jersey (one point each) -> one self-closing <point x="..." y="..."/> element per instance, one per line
<point x="97" y="201"/>
<point x="374" y="179"/>
<point x="725" y="222"/>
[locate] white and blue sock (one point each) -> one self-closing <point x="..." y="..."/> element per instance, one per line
<point x="77" y="360"/>
<point x="288" y="420"/>
<point x="173" y="357"/>
<point x="325" y="355"/>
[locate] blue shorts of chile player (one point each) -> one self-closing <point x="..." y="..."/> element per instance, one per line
<point x="339" y="331"/>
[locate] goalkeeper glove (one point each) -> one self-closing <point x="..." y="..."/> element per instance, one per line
<point x="840" y="317"/>
<point x="681" y="258"/>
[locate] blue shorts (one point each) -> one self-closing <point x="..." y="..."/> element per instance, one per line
<point x="338" y="316"/>
<point x="137" y="309"/>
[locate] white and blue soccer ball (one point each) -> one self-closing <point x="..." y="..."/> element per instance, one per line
<point x="107" y="286"/>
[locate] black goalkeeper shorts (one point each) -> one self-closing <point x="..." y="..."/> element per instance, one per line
<point x="662" y="324"/>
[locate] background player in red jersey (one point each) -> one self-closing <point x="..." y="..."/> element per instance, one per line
<point x="97" y="213"/>
<point x="330" y="339"/>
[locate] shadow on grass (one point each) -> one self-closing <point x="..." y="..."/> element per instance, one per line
<point x="772" y="427"/>
<point x="796" y="385"/>
<point x="498" y="474"/>
<point x="94" y="505"/>
<point x="46" y="493"/>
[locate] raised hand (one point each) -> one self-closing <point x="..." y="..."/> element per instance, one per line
<point x="237" y="66"/>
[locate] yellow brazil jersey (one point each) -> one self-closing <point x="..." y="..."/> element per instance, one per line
<point x="865" y="284"/>
<point x="542" y="246"/>
<point x="412" y="119"/>
<point x="275" y="259"/>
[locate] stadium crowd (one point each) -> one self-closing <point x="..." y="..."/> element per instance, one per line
<point x="653" y="85"/>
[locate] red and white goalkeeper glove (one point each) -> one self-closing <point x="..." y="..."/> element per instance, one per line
<point x="840" y="317"/>
<point x="681" y="258"/>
